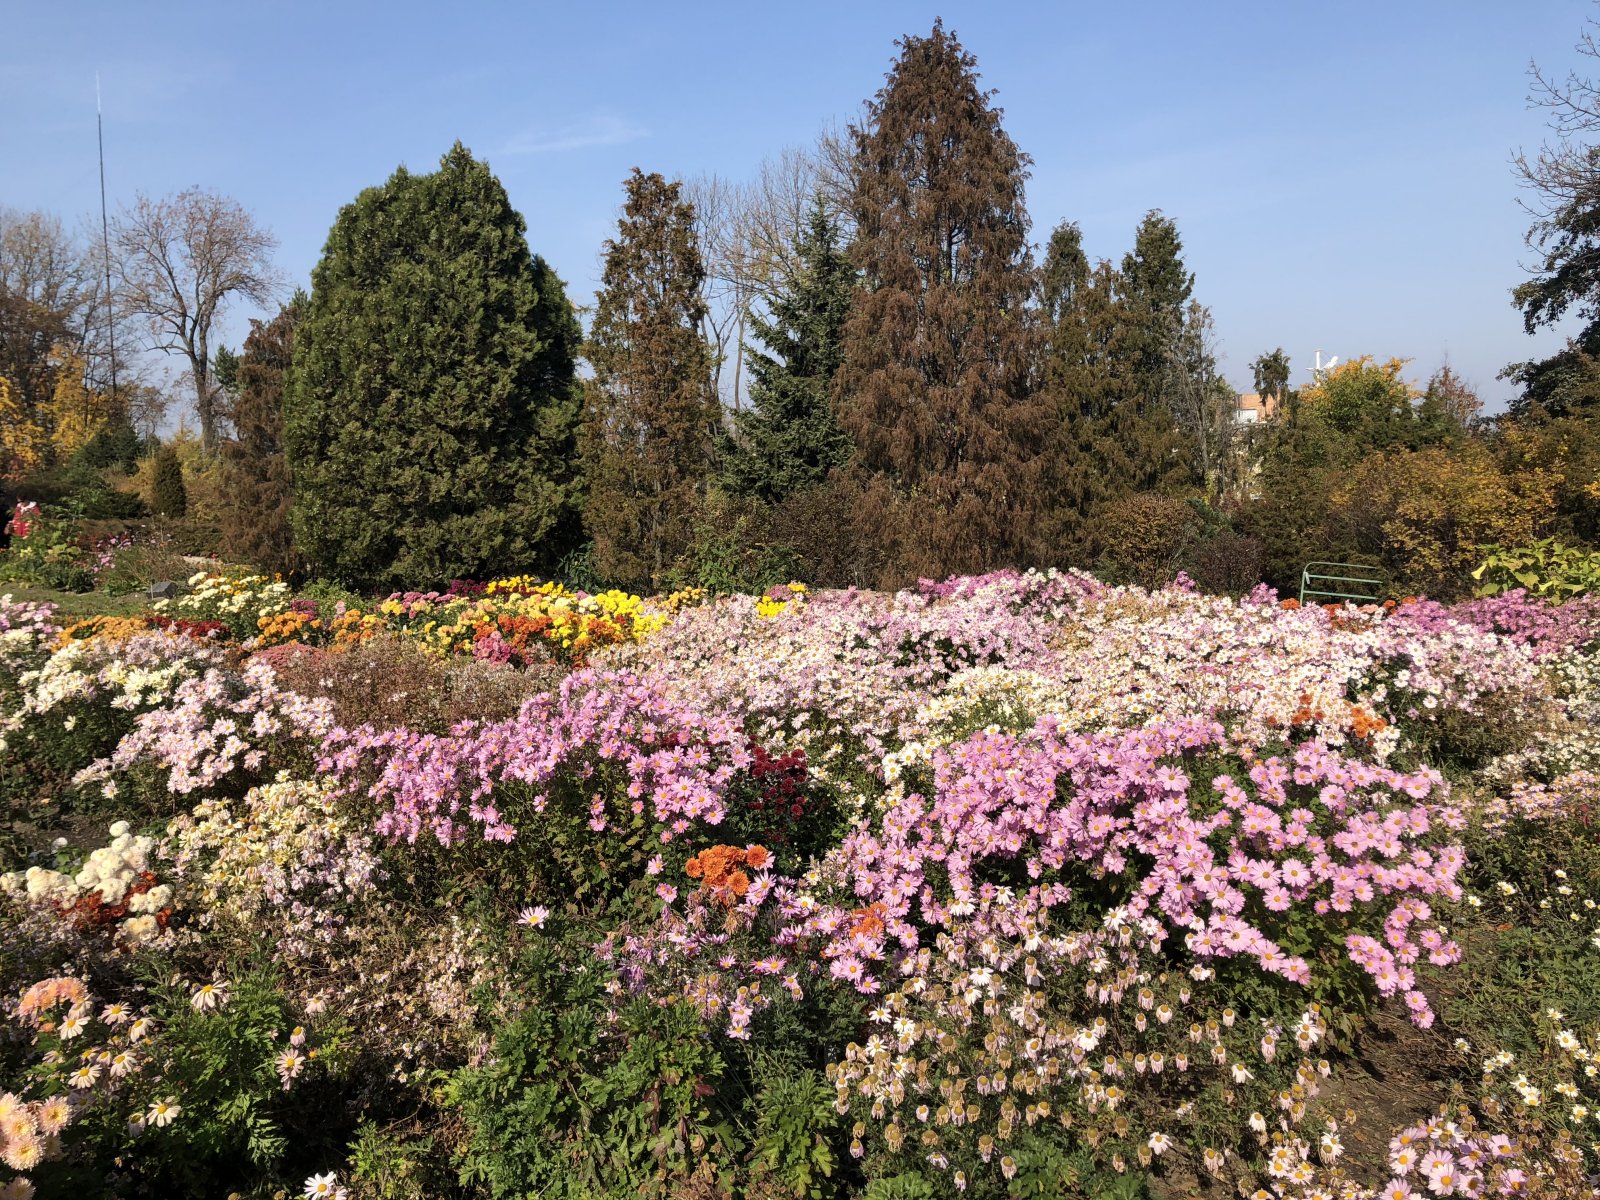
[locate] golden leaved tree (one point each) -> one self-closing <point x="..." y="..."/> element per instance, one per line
<point x="1426" y="512"/>
<point x="74" y="412"/>
<point x="22" y="440"/>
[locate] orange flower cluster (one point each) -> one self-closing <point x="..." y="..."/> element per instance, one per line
<point x="1364" y="723"/>
<point x="721" y="870"/>
<point x="354" y="627"/>
<point x="287" y="626"/>
<point x="112" y="629"/>
<point x="868" y="921"/>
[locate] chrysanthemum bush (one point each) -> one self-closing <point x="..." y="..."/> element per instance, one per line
<point x="1014" y="885"/>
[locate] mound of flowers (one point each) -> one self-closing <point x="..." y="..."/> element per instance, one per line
<point x="1015" y="885"/>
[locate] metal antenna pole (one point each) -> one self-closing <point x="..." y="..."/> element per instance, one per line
<point x="105" y="242"/>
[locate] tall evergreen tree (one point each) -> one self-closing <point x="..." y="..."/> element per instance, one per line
<point x="935" y="388"/>
<point x="1112" y="343"/>
<point x="650" y="412"/>
<point x="1156" y="289"/>
<point x="1064" y="274"/>
<point x="788" y="439"/>
<point x="1271" y="372"/>
<point x="430" y="408"/>
<point x="256" y="526"/>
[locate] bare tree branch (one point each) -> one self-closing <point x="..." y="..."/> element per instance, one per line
<point x="182" y="259"/>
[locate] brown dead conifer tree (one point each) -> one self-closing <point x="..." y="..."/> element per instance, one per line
<point x="940" y="343"/>
<point x="649" y="410"/>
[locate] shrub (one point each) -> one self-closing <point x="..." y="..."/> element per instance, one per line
<point x="1229" y="563"/>
<point x="167" y="494"/>
<point x="1146" y="538"/>
<point x="1543" y="568"/>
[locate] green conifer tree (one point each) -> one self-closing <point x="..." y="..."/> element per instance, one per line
<point x="430" y="408"/>
<point x="168" y="496"/>
<point x="788" y="439"/>
<point x="259" y="495"/>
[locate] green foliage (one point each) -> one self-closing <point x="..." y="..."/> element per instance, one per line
<point x="788" y="439"/>
<point x="259" y="493"/>
<point x="733" y="551"/>
<point x="1545" y="568"/>
<point x="1271" y="374"/>
<point x="392" y="1166"/>
<point x="116" y="445"/>
<point x="429" y="409"/>
<point x="794" y="1117"/>
<point x="168" y="496"/>
<point x="910" y="1185"/>
<point x="561" y="1110"/>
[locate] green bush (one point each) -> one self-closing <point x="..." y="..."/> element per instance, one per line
<point x="167" y="493"/>
<point x="1545" y="568"/>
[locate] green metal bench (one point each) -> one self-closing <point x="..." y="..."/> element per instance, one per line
<point x="1322" y="582"/>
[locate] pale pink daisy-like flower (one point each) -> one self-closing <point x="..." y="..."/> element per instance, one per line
<point x="123" y="1062"/>
<point x="116" y="1014"/>
<point x="140" y="1029"/>
<point x="163" y="1113"/>
<point x="533" y="918"/>
<point x="1159" y="1143"/>
<point x="18" y="1123"/>
<point x="289" y="1064"/>
<point x="54" y="1115"/>
<point x="84" y="1076"/>
<point x="208" y="996"/>
<point x="72" y="1027"/>
<point x="24" y="1154"/>
<point x="323" y="1187"/>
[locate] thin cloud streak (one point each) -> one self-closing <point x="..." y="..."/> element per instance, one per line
<point x="602" y="129"/>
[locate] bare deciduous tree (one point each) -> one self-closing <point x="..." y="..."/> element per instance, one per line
<point x="182" y="259"/>
<point x="748" y="237"/>
<point x="1201" y="401"/>
<point x="718" y="205"/>
<point x="46" y="292"/>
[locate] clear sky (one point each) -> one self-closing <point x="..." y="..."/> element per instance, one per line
<point x="1339" y="171"/>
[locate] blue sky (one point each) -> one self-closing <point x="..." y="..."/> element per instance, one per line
<point x="1339" y="172"/>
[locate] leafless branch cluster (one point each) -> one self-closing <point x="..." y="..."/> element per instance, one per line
<point x="748" y="231"/>
<point x="181" y="260"/>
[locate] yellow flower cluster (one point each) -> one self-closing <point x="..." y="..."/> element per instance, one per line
<point x="515" y="619"/>
<point x="775" y="602"/>
<point x="689" y="597"/>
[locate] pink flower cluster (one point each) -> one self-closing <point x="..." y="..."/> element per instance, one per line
<point x="1318" y="838"/>
<point x="672" y="757"/>
<point x="215" y="724"/>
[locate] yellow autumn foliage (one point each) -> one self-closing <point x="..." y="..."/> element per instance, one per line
<point x="22" y="441"/>
<point x="1427" y="511"/>
<point x="75" y="412"/>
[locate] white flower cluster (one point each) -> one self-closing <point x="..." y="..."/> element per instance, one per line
<point x="213" y="596"/>
<point x="113" y="870"/>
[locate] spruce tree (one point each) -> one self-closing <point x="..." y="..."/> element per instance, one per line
<point x="935" y="388"/>
<point x="1154" y="292"/>
<point x="430" y="407"/>
<point x="650" y="412"/>
<point x="256" y="524"/>
<point x="788" y="439"/>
